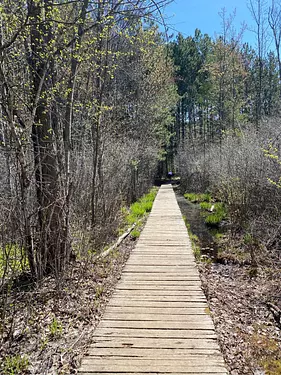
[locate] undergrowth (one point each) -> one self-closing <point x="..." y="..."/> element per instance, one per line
<point x="214" y="212"/>
<point x="217" y="215"/>
<point x="137" y="212"/>
<point x="198" y="198"/>
<point x="12" y="260"/>
<point x="15" y="365"/>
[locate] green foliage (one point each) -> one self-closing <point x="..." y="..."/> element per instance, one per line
<point x="43" y="343"/>
<point x="272" y="153"/>
<point x="206" y="206"/>
<point x="248" y="239"/>
<point x="140" y="208"/>
<point x="15" y="365"/>
<point x="55" y="328"/>
<point x="216" y="217"/>
<point x="12" y="259"/>
<point x="197" y="198"/>
<point x="135" y="233"/>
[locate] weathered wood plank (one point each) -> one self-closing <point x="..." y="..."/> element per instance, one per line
<point x="154" y="317"/>
<point x="144" y="299"/>
<point x="164" y="283"/>
<point x="155" y="333"/>
<point x="155" y="353"/>
<point x="156" y="364"/>
<point x="114" y="368"/>
<point x="156" y="310"/>
<point x="148" y="277"/>
<point x="179" y="288"/>
<point x="191" y="372"/>
<point x="159" y="292"/>
<point x="122" y="302"/>
<point x="188" y="323"/>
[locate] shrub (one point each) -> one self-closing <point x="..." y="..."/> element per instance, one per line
<point x="237" y="172"/>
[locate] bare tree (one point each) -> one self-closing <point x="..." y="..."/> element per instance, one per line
<point x="274" y="20"/>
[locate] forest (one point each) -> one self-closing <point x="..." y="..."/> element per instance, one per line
<point x="96" y="104"/>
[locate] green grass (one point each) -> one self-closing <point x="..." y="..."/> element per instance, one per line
<point x="206" y="205"/>
<point x="198" y="198"/>
<point x="135" y="233"/>
<point x="55" y="328"/>
<point x="16" y="365"/>
<point x="215" y="217"/>
<point x="140" y="208"/>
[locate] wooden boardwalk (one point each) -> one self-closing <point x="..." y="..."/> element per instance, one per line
<point x="157" y="321"/>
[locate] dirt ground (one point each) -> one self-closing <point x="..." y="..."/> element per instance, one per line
<point x="247" y="316"/>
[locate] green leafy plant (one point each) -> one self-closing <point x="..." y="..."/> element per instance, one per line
<point x="138" y="210"/>
<point x="43" y="343"/>
<point x="135" y="233"/>
<point x="197" y="198"/>
<point x="13" y="259"/>
<point x="206" y="206"/>
<point x="55" y="328"/>
<point x="99" y="291"/>
<point x="217" y="215"/>
<point x="15" y="365"/>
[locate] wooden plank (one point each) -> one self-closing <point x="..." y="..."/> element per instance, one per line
<point x="113" y="367"/>
<point x="159" y="292"/>
<point x="154" y="353"/>
<point x="152" y="317"/>
<point x="155" y="333"/>
<point x="156" y="310"/>
<point x="87" y="372"/>
<point x="158" y="269"/>
<point x="189" y="274"/>
<point x="156" y="263"/>
<point x="164" y="283"/>
<point x="144" y="299"/>
<point x="122" y="302"/>
<point x="188" y="323"/>
<point x="183" y="288"/>
<point x="108" y="342"/>
<point x="148" y="277"/>
<point x="157" y="274"/>
<point x="161" y="365"/>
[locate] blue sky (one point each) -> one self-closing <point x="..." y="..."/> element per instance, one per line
<point x="186" y="15"/>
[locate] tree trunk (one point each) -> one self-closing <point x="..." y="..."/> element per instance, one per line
<point x="51" y="239"/>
